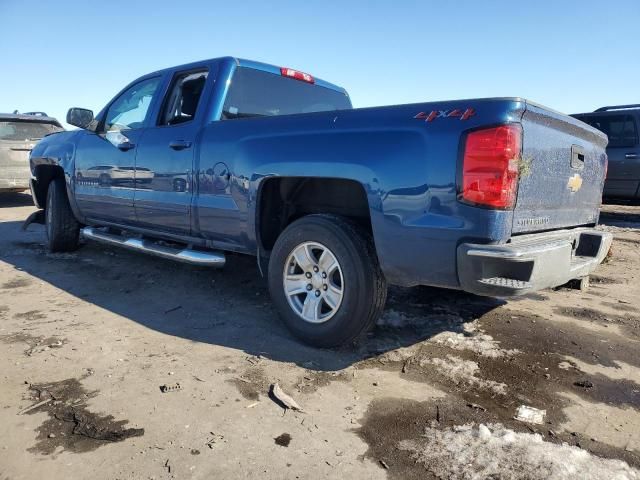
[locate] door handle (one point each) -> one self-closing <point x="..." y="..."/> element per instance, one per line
<point x="124" y="146"/>
<point x="179" y="144"/>
<point x="631" y="156"/>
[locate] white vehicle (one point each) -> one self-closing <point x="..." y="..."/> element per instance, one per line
<point x="18" y="135"/>
<point x="113" y="175"/>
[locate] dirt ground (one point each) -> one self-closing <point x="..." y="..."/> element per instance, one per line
<point x="88" y="339"/>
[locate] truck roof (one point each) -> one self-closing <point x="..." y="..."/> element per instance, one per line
<point x="24" y="117"/>
<point x="266" y="67"/>
<point x="611" y="109"/>
<point x="618" y="107"/>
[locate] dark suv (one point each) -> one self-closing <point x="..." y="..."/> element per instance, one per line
<point x="620" y="123"/>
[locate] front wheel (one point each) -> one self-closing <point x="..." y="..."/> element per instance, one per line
<point x="63" y="230"/>
<point x="325" y="280"/>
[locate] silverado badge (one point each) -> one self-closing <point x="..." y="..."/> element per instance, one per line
<point x="574" y="183"/>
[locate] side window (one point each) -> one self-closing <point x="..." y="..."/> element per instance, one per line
<point x="130" y="109"/>
<point x="621" y="129"/>
<point x="182" y="102"/>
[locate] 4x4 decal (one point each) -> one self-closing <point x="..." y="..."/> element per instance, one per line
<point x="430" y="117"/>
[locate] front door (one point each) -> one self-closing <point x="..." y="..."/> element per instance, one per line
<point x="164" y="162"/>
<point x="105" y="160"/>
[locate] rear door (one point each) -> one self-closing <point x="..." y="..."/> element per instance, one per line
<point x="623" y="176"/>
<point x="253" y="93"/>
<point x="562" y="172"/>
<point x="164" y="163"/>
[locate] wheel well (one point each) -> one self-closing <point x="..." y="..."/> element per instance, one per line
<point x="285" y="199"/>
<point x="44" y="174"/>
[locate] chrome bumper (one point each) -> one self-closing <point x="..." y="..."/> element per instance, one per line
<point x="14" y="184"/>
<point x="531" y="262"/>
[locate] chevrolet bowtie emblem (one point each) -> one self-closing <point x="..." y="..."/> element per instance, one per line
<point x="574" y="183"/>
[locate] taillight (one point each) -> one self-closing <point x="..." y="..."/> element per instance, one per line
<point x="291" y="73"/>
<point x="490" y="166"/>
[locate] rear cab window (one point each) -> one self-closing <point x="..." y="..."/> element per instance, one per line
<point x="620" y="128"/>
<point x="256" y="93"/>
<point x="24" y="131"/>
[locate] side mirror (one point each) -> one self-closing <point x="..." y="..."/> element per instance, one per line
<point x="79" y="117"/>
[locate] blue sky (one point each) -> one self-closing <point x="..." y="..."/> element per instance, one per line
<point x="570" y="55"/>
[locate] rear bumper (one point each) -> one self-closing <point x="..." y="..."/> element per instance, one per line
<point x="531" y="262"/>
<point x="12" y="184"/>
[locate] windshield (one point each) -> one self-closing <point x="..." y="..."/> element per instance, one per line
<point x="621" y="129"/>
<point x="254" y="93"/>
<point x="24" y="130"/>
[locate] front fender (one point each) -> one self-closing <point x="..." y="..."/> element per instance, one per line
<point x="53" y="157"/>
<point x="55" y="150"/>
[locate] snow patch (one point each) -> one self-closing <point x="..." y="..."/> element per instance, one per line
<point x="474" y="339"/>
<point x="566" y="365"/>
<point x="493" y="451"/>
<point x="400" y="354"/>
<point x="463" y="372"/>
<point x="529" y="414"/>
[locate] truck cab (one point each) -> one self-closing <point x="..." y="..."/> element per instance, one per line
<point x="136" y="165"/>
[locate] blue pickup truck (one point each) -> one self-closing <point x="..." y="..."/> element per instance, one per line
<point x="492" y="196"/>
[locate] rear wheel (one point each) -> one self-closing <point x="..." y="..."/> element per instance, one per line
<point x="63" y="230"/>
<point x="325" y="280"/>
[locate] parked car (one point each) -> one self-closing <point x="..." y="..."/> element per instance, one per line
<point x="494" y="196"/>
<point x="113" y="175"/>
<point x="18" y="135"/>
<point x="620" y="124"/>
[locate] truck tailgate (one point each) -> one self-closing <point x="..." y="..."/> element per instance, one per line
<point x="14" y="159"/>
<point x="562" y="172"/>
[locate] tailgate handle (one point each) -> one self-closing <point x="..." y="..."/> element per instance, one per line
<point x="577" y="157"/>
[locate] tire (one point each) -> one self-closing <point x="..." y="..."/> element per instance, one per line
<point x="63" y="230"/>
<point x="357" y="276"/>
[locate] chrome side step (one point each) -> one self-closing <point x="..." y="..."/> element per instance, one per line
<point x="186" y="255"/>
